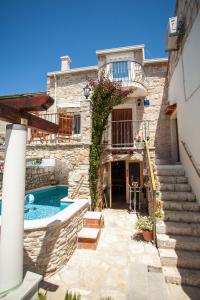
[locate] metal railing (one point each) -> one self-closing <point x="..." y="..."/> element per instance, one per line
<point x="190" y="156"/>
<point x="126" y="134"/>
<point x="69" y="129"/>
<point x="129" y="73"/>
<point x="151" y="188"/>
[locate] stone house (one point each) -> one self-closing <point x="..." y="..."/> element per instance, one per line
<point x="141" y="117"/>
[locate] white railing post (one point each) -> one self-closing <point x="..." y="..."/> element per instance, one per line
<point x="12" y="219"/>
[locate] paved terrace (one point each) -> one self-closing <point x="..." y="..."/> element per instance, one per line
<point x="118" y="268"/>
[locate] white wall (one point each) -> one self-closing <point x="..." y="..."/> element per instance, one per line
<point x="184" y="89"/>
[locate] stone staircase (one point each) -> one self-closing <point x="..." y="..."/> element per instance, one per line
<point x="178" y="236"/>
<point x="89" y="235"/>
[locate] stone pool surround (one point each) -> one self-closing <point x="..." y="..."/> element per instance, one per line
<point x="50" y="242"/>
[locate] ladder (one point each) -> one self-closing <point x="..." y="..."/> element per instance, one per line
<point x="77" y="187"/>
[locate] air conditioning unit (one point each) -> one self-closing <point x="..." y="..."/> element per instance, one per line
<point x="175" y="29"/>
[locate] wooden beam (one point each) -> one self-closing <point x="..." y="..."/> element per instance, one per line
<point x="28" y="102"/>
<point x="170" y="109"/>
<point x="12" y="115"/>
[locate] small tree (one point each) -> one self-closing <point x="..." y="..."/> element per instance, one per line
<point x="106" y="94"/>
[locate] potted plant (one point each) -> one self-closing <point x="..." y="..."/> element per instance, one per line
<point x="158" y="215"/>
<point x="145" y="224"/>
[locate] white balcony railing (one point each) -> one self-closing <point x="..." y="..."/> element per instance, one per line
<point x="129" y="73"/>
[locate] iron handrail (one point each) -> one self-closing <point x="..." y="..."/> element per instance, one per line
<point x="189" y="154"/>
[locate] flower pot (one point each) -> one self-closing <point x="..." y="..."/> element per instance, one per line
<point x="147" y="235"/>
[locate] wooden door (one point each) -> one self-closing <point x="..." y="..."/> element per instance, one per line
<point x="65" y="124"/>
<point x="122" y="128"/>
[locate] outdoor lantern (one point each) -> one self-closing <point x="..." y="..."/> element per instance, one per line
<point x="146" y="102"/>
<point x="86" y="91"/>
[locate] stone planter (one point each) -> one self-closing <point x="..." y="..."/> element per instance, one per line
<point x="158" y="220"/>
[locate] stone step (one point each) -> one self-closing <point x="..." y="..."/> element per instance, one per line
<point x="178" y="242"/>
<point x="175" y="228"/>
<point x="182" y="216"/>
<point x="179" y="196"/>
<point x="182" y="276"/>
<point x="92" y="219"/>
<point x="177" y="187"/>
<point x="170" y="170"/>
<point x="172" y="179"/>
<point x="161" y="161"/>
<point x="179" y="258"/>
<point x="181" y="205"/>
<point x="88" y="238"/>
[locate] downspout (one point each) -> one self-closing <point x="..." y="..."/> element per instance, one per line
<point x="55" y="93"/>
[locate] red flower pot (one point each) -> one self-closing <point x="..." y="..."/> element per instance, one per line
<point x="147" y="235"/>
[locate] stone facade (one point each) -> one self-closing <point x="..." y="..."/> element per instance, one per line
<point x="47" y="249"/>
<point x="155" y="113"/>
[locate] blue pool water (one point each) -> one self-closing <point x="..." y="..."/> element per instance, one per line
<point x="46" y="203"/>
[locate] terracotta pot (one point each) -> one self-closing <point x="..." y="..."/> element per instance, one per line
<point x="147" y="235"/>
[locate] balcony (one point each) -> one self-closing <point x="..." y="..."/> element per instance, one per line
<point x="69" y="129"/>
<point x="126" y="134"/>
<point x="129" y="73"/>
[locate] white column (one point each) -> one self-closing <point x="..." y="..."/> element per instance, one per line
<point x="12" y="218"/>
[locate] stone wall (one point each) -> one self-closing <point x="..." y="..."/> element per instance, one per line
<point x="46" y="250"/>
<point x="187" y="11"/>
<point x="39" y="176"/>
<point x="72" y="162"/>
<point x="155" y="112"/>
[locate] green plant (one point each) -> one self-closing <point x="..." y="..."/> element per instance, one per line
<point x="144" y="223"/>
<point x="71" y="296"/>
<point x="42" y="296"/>
<point x="158" y="214"/>
<point x="106" y="94"/>
<point x="37" y="162"/>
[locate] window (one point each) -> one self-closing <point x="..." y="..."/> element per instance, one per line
<point x="77" y="124"/>
<point x="120" y="69"/>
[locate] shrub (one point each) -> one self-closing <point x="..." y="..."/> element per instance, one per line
<point x="144" y="224"/>
<point x="105" y="95"/>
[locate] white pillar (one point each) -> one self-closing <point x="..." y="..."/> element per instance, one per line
<point x="12" y="218"/>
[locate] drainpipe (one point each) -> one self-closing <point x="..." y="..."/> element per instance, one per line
<point x="12" y="218"/>
<point x="55" y="93"/>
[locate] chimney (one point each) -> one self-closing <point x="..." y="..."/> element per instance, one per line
<point x="65" y="63"/>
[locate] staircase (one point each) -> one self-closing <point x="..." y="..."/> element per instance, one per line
<point x="178" y="236"/>
<point x="89" y="235"/>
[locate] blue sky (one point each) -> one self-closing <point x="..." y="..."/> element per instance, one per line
<point x="35" y="33"/>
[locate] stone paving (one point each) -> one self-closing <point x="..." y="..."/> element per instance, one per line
<point x="105" y="272"/>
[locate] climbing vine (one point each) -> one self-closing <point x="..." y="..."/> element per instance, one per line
<point x="105" y="95"/>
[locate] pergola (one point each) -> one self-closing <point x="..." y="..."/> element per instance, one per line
<point x="15" y="109"/>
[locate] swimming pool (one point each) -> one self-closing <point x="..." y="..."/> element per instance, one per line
<point x="47" y="202"/>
